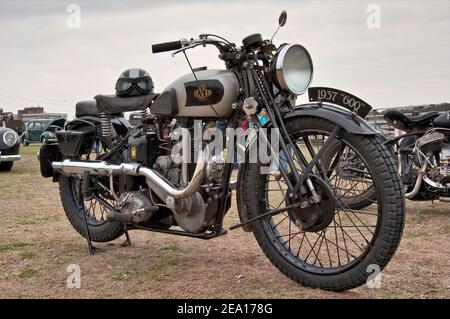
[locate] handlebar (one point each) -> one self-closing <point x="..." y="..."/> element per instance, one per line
<point x="184" y="44"/>
<point x="167" y="46"/>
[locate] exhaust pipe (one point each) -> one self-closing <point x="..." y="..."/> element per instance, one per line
<point x="153" y="178"/>
<point x="418" y="183"/>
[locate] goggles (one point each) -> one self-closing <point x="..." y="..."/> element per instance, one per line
<point x="141" y="84"/>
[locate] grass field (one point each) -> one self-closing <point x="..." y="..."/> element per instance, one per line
<point x="37" y="244"/>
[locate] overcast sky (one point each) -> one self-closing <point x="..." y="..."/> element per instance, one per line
<point x="42" y="61"/>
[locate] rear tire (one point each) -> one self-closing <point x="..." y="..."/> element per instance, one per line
<point x="360" y="199"/>
<point x="6" y="166"/>
<point x="386" y="233"/>
<point x="100" y="231"/>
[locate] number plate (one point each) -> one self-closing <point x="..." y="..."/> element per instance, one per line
<point x="341" y="98"/>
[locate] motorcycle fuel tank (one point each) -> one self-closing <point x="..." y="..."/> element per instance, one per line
<point x="218" y="88"/>
<point x="442" y="120"/>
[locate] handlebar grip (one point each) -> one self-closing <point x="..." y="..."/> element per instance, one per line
<point x="166" y="46"/>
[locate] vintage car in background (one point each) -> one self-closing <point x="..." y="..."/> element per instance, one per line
<point x="9" y="143"/>
<point x="41" y="131"/>
<point x="49" y="135"/>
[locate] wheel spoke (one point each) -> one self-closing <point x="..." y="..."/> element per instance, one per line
<point x="350" y="231"/>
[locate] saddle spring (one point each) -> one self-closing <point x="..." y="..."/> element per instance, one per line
<point x="106" y="125"/>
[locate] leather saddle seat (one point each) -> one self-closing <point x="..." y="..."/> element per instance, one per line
<point x="86" y="108"/>
<point x="408" y="122"/>
<point x="112" y="104"/>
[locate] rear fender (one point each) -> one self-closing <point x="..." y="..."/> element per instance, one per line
<point x="87" y="124"/>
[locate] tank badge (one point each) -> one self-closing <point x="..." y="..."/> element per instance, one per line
<point x="202" y="94"/>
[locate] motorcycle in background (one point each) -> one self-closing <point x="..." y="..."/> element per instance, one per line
<point x="423" y="154"/>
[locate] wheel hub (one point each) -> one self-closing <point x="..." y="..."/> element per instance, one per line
<point x="315" y="216"/>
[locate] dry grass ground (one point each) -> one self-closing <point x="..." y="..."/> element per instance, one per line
<point x="37" y="244"/>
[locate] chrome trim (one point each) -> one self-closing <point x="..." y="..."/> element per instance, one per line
<point x="433" y="183"/>
<point x="279" y="68"/>
<point x="16" y="138"/>
<point x="153" y="178"/>
<point x="9" y="158"/>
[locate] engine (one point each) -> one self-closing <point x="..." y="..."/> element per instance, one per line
<point x="444" y="156"/>
<point x="434" y="150"/>
<point x="152" y="148"/>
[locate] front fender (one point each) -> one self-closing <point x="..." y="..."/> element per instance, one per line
<point x="353" y="124"/>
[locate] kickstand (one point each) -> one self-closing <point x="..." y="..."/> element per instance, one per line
<point x="82" y="190"/>
<point x="127" y="235"/>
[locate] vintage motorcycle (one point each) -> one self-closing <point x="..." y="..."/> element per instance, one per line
<point x="114" y="177"/>
<point x="423" y="153"/>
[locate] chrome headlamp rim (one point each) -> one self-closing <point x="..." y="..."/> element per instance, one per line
<point x="279" y="78"/>
<point x="14" y="134"/>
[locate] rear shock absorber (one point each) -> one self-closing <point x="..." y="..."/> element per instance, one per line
<point x="106" y="125"/>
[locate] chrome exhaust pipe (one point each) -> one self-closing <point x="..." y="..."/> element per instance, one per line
<point x="418" y="183"/>
<point x="153" y="178"/>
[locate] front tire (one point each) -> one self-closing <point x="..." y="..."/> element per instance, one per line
<point x="343" y="264"/>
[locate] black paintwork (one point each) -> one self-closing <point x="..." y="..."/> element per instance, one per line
<point x="343" y="118"/>
<point x="442" y="120"/>
<point x="166" y="104"/>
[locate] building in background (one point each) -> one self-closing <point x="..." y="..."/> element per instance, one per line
<point x="38" y="112"/>
<point x="27" y="114"/>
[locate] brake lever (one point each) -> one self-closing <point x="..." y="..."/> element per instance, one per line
<point x="184" y="49"/>
<point x="194" y="43"/>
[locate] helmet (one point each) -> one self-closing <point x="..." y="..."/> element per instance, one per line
<point x="134" y="82"/>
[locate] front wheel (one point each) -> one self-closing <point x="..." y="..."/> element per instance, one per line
<point x="328" y="245"/>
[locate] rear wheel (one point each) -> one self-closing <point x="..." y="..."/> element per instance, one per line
<point x="100" y="229"/>
<point x="356" y="185"/>
<point x="6" y="166"/>
<point x="75" y="204"/>
<point x="328" y="245"/>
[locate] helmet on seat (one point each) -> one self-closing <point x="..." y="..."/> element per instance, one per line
<point x="134" y="82"/>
